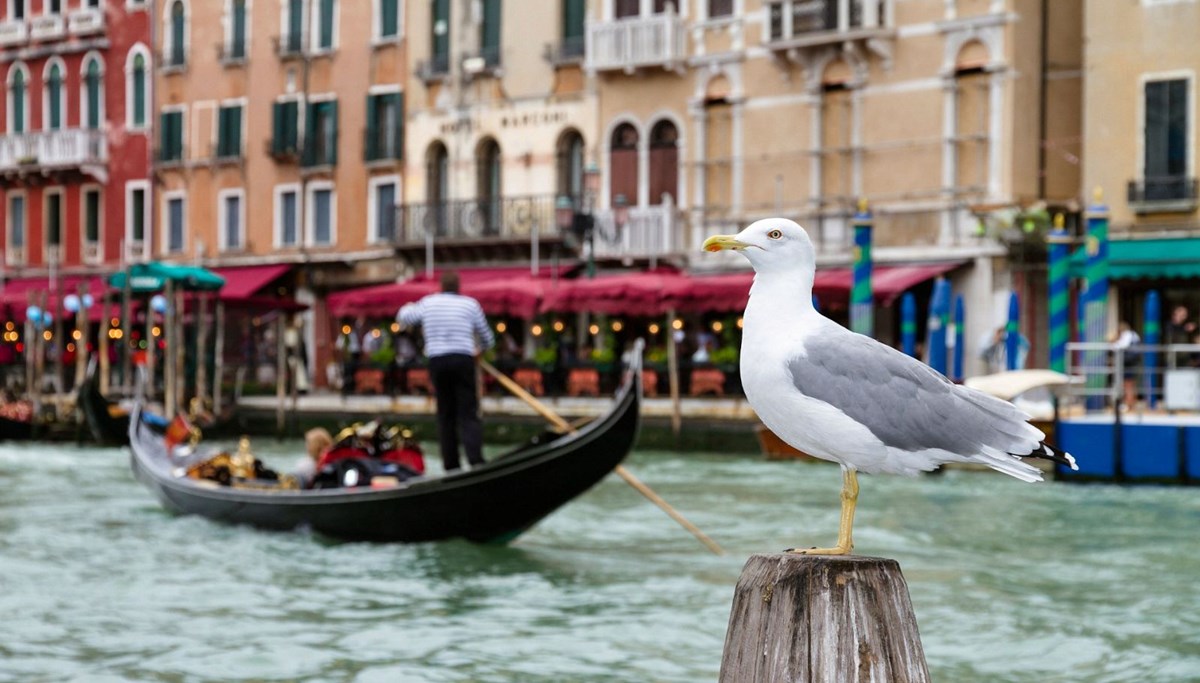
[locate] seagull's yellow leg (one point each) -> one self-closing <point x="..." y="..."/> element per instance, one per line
<point x="845" y="541"/>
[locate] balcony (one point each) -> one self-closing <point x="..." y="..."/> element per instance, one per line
<point x="486" y="62"/>
<point x="636" y="42"/>
<point x="53" y="150"/>
<point x="379" y="146"/>
<point x="1164" y="194"/>
<point x="650" y="232"/>
<point x="570" y="51"/>
<point x="476" y="220"/>
<point x="85" y="21"/>
<point x="436" y="68"/>
<point x="793" y="24"/>
<point x="47" y="27"/>
<point x="12" y="33"/>
<point x="289" y="46"/>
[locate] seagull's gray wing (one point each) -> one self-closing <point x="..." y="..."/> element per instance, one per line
<point x="905" y="403"/>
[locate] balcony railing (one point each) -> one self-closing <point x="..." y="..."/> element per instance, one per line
<point x="378" y="145"/>
<point x="791" y="22"/>
<point x="13" y="33"/>
<point x="569" y="51"/>
<point x="85" y="21"/>
<point x="289" y="45"/>
<point x="1164" y="193"/>
<point x="649" y="232"/>
<point x="476" y="219"/>
<point x="636" y="42"/>
<point x="47" y="27"/>
<point x="435" y="68"/>
<point x="53" y="149"/>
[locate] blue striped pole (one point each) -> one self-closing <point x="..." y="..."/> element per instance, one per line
<point x="960" y="322"/>
<point x="1060" y="296"/>
<point x="862" y="305"/>
<point x="1151" y="335"/>
<point x="1096" y="298"/>
<point x="939" y="319"/>
<point x="908" y="324"/>
<point x="1012" y="333"/>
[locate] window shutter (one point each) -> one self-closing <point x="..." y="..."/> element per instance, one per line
<point x="139" y="91"/>
<point x="327" y="24"/>
<point x="333" y="131"/>
<point x="277" y="129"/>
<point x="441" y="40"/>
<point x="573" y="18"/>
<point x="491" y="29"/>
<point x="389" y="19"/>
<point x="373" y="151"/>
<point x="235" y="131"/>
<point x="398" y="123"/>
<point x="310" y="133"/>
<point x="295" y="25"/>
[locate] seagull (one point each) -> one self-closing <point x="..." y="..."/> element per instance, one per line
<point x="845" y="397"/>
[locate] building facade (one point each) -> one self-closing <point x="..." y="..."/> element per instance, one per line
<point x="74" y="135"/>
<point x="946" y="115"/>
<point x="280" y="132"/>
<point x="1141" y="148"/>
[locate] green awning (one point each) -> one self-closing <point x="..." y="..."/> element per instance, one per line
<point x="1151" y="259"/>
<point x="153" y="277"/>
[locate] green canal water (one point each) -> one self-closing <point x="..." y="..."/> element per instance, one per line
<point x="1010" y="582"/>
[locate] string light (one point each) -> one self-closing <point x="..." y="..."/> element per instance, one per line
<point x="739" y="323"/>
<point x="71" y="348"/>
<point x="156" y="331"/>
<point x="76" y="335"/>
<point x="717" y="326"/>
<point x="8" y="326"/>
<point x="593" y="329"/>
<point x="395" y="328"/>
<point x="536" y="330"/>
<point x="677" y="324"/>
<point x="654" y="328"/>
<point x="47" y="335"/>
<point x="558" y="326"/>
<point x="114" y="322"/>
<point x="501" y="327"/>
<point x="345" y="328"/>
<point x="617" y="326"/>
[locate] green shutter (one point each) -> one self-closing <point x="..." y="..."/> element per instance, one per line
<point x="327" y="24"/>
<point x="93" y="95"/>
<point x="18" y="103"/>
<point x="295" y="25"/>
<point x="333" y="127"/>
<point x="277" y="129"/>
<point x="291" y="126"/>
<point x="54" y="220"/>
<point x="139" y="218"/>
<point x="372" y="151"/>
<point x="491" y="30"/>
<point x="92" y="207"/>
<point x="139" y="91"/>
<point x="235" y="131"/>
<point x="238" y="50"/>
<point x="399" y="125"/>
<point x="177" y="32"/>
<point x="55" y="98"/>
<point x="441" y="41"/>
<point x="310" y="134"/>
<point x="389" y="19"/>
<point x="164" y="136"/>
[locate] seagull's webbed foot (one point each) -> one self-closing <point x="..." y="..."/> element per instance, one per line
<point x="845" y="543"/>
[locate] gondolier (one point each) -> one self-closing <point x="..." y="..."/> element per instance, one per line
<point x="456" y="332"/>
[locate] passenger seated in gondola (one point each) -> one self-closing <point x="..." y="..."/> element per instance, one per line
<point x="317" y="442"/>
<point x="363" y="452"/>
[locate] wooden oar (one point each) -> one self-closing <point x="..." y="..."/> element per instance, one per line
<point x="633" y="481"/>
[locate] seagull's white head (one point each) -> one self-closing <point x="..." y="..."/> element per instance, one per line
<point x="772" y="245"/>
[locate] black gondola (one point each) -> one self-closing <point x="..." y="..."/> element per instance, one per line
<point x="490" y="504"/>
<point x="15" y="430"/>
<point x="108" y="423"/>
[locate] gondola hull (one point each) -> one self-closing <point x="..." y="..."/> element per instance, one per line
<point x="106" y="428"/>
<point x="489" y="504"/>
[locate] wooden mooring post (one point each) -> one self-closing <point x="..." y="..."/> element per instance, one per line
<point x="827" y="619"/>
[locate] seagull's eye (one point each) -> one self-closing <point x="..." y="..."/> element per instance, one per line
<point x="775" y="234"/>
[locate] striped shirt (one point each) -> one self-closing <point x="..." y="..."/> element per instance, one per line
<point x="450" y="322"/>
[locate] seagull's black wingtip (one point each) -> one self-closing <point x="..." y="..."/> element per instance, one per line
<point x="1045" y="451"/>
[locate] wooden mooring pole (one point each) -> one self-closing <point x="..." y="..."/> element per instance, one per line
<point x="826" y="619"/>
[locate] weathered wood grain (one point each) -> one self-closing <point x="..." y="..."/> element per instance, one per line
<point x="803" y="619"/>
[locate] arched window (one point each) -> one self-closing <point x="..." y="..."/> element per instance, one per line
<point x="489" y="193"/>
<point x="137" y="79"/>
<point x="437" y="187"/>
<point x="54" y="98"/>
<point x="93" y="94"/>
<point x="570" y="164"/>
<point x="18" y="99"/>
<point x="178" y="32"/>
<point x="623" y="164"/>
<point x="664" y="162"/>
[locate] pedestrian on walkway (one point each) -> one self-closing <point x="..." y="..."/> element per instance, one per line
<point x="456" y="333"/>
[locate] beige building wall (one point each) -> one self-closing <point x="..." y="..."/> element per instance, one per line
<point x="1129" y="44"/>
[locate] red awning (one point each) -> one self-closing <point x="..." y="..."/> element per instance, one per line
<point x="245" y="281"/>
<point x="641" y="293"/>
<point x="500" y="291"/>
<point x="19" y="293"/>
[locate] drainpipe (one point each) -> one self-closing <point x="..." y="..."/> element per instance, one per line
<point x="1045" y="67"/>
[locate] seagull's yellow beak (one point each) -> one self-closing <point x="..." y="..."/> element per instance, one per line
<point x="723" y="242"/>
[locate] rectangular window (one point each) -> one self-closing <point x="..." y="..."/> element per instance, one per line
<point x="574" y="16"/>
<point x="171" y="136"/>
<point x="91" y="216"/>
<point x="1166" y="140"/>
<point x="16" y="222"/>
<point x="175" y="224"/>
<point x="136" y="226"/>
<point x="229" y="132"/>
<point x="286" y="217"/>
<point x="384" y="210"/>
<point x="231" y="220"/>
<point x="326" y="31"/>
<point x="489" y="33"/>
<point x="18" y="10"/>
<point x="720" y="8"/>
<point x="295" y="27"/>
<point x="237" y="28"/>
<point x="285" y="139"/>
<point x="322" y="216"/>
<point x="440" y="30"/>
<point x="385" y="126"/>
<point x="53" y="219"/>
<point x="627" y="8"/>
<point x="389" y="18"/>
<point x="54" y="6"/>
<point x="320" y="144"/>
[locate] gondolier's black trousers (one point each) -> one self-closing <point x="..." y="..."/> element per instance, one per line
<point x="454" y="382"/>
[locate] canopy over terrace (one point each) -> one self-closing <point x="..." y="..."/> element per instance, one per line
<point x="153" y="277"/>
<point x="17" y="294"/>
<point x="500" y="291"/>
<point x="659" y="291"/>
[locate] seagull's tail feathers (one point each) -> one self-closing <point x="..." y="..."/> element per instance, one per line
<point x="1045" y="451"/>
<point x="1010" y="465"/>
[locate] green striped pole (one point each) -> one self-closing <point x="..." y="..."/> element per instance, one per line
<point x="862" y="308"/>
<point x="1060" y="298"/>
<point x="1096" y="298"/>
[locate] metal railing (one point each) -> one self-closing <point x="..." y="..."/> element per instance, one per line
<point x="649" y="232"/>
<point x="435" y="68"/>
<point x="53" y="149"/>
<point x="634" y="42"/>
<point x="13" y="32"/>
<point x="570" y="51"/>
<point x="85" y="21"/>
<point x="1154" y="192"/>
<point x="475" y="219"/>
<point x="1156" y="375"/>
<point x="791" y="19"/>
<point x="379" y="145"/>
<point x="47" y="27"/>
